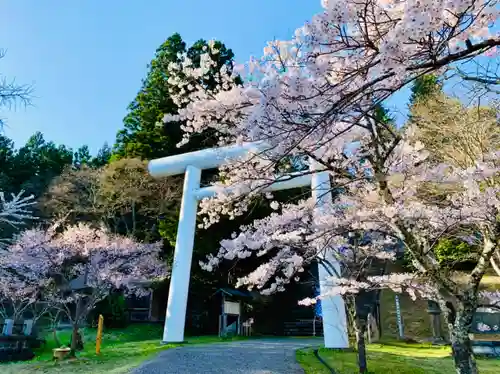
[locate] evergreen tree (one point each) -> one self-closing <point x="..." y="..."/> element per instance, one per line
<point x="103" y="156"/>
<point x="82" y="156"/>
<point x="144" y="135"/>
<point x="424" y="86"/>
<point x="6" y="163"/>
<point x="37" y="162"/>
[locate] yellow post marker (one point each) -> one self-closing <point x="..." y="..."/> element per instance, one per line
<point x="98" y="341"/>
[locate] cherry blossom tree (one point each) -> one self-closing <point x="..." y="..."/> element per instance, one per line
<point x="310" y="101"/>
<point x="82" y="265"/>
<point x="21" y="293"/>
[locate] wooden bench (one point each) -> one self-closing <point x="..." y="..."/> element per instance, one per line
<point x="485" y="333"/>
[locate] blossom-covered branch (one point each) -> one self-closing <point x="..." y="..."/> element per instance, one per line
<point x="311" y="95"/>
<point x="14" y="211"/>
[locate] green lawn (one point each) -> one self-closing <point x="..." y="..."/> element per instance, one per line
<point x="121" y="350"/>
<point x="391" y="358"/>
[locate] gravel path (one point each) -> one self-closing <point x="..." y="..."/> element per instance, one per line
<point x="256" y="356"/>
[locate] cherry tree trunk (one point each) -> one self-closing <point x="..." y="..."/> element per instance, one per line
<point x="463" y="356"/>
<point x="74" y="340"/>
<point x="360" y="329"/>
<point x="363" y="306"/>
<point x="56" y="338"/>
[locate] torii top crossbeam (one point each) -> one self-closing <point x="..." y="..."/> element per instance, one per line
<point x="215" y="157"/>
<point x="204" y="159"/>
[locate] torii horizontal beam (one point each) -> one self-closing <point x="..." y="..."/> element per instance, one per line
<point x="210" y="158"/>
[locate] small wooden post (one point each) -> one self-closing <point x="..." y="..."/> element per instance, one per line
<point x="99" y="335"/>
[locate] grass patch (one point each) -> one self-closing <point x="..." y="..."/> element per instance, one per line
<point x="394" y="357"/>
<point x="121" y="351"/>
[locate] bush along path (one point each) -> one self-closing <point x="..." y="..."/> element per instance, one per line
<point x="266" y="355"/>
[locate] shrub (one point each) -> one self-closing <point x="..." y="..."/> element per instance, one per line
<point x="113" y="309"/>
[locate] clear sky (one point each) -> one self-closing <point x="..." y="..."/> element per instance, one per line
<point x="86" y="58"/>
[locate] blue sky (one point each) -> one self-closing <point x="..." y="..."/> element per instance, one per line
<point x="86" y="58"/>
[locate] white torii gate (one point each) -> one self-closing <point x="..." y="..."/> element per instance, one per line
<point x="333" y="309"/>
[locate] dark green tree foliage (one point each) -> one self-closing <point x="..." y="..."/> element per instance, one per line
<point x="7" y="168"/>
<point x="142" y="136"/>
<point x="6" y="162"/>
<point x="37" y="162"/>
<point x="114" y="310"/>
<point x="383" y="115"/>
<point x="103" y="156"/>
<point x="424" y="86"/>
<point x="82" y="156"/>
<point x="35" y="165"/>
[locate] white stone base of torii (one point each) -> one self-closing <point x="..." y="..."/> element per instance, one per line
<point x="333" y="309"/>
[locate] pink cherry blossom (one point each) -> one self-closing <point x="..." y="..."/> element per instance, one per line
<point x="59" y="266"/>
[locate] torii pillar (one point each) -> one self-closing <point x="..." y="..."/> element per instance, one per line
<point x="334" y="314"/>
